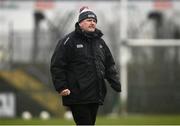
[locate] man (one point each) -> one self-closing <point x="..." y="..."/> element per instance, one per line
<point x="79" y="65"/>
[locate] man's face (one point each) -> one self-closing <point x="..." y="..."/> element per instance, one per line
<point x="88" y="25"/>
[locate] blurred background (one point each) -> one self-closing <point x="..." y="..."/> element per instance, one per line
<point x="143" y="36"/>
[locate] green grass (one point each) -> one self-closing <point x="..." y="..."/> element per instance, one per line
<point x="140" y="120"/>
<point x="36" y="121"/>
<point x="121" y="120"/>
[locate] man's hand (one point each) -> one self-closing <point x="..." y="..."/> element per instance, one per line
<point x="65" y="92"/>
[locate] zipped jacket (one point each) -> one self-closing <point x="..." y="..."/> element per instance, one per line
<point x="81" y="62"/>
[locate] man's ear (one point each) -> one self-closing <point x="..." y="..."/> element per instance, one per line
<point x="80" y="24"/>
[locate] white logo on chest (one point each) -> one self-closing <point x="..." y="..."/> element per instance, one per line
<point x="79" y="45"/>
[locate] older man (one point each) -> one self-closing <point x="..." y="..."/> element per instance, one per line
<point x="79" y="65"/>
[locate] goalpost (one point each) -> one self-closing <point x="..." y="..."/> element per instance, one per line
<point x="125" y="43"/>
<point x="124" y="58"/>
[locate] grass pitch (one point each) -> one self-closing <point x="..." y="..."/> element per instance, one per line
<point x="121" y="120"/>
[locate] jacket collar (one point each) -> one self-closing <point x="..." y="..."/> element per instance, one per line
<point x="96" y="34"/>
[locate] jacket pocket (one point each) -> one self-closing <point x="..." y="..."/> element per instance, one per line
<point x="73" y="85"/>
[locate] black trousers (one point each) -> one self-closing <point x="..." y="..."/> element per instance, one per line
<point x="84" y="114"/>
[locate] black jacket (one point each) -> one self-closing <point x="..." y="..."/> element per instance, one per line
<point x="81" y="62"/>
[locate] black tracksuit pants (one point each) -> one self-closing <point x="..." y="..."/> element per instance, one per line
<point x="84" y="114"/>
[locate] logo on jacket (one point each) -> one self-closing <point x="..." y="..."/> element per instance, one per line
<point x="100" y="46"/>
<point x="79" y="45"/>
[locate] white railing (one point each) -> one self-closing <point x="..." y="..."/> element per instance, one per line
<point x="153" y="42"/>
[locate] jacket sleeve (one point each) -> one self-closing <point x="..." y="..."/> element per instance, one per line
<point x="59" y="62"/>
<point x="110" y="71"/>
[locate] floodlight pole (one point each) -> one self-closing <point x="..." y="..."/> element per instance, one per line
<point x="123" y="56"/>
